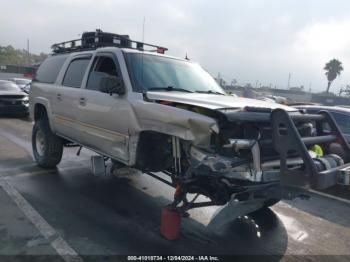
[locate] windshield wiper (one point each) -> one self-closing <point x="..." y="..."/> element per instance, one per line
<point x="209" y="92"/>
<point x="169" y="88"/>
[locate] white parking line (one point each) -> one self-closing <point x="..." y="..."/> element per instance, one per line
<point x="18" y="168"/>
<point x="78" y="166"/>
<point x="19" y="141"/>
<point x="62" y="248"/>
<point x="330" y="196"/>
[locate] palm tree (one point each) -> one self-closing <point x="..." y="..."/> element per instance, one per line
<point x="333" y="69"/>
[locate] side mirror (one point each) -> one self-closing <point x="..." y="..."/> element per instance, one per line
<point x="112" y="85"/>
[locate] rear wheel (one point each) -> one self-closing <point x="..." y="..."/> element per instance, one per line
<point x="47" y="147"/>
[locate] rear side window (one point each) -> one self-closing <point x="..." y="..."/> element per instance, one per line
<point x="49" y="69"/>
<point x="75" y="72"/>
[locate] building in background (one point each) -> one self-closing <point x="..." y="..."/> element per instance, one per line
<point x="12" y="71"/>
<point x="294" y="94"/>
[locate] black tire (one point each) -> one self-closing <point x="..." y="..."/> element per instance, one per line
<point x="50" y="150"/>
<point x="271" y="202"/>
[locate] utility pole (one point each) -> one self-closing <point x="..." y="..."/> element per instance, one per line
<point x="289" y="76"/>
<point x="28" y="56"/>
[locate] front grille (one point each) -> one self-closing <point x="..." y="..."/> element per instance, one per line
<point x="6" y="97"/>
<point x="11" y="103"/>
<point x="11" y="100"/>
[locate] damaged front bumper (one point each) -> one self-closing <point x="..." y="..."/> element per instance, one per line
<point x="249" y="172"/>
<point x="303" y="170"/>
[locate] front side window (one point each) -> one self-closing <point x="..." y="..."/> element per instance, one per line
<point x="151" y="72"/>
<point x="103" y="66"/>
<point x="75" y="72"/>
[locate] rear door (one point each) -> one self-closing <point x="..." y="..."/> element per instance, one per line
<point x="104" y="118"/>
<point x="66" y="98"/>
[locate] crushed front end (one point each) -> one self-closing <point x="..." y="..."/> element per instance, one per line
<point x="259" y="156"/>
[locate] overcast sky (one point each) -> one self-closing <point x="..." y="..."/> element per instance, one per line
<point x="248" y="40"/>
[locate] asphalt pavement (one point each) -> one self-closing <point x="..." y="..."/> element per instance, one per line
<point x="68" y="211"/>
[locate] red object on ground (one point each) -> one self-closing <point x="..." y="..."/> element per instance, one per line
<point x="170" y="223"/>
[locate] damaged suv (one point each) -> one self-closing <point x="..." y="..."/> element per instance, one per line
<point x="128" y="101"/>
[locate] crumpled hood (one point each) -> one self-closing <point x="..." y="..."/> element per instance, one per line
<point x="213" y="101"/>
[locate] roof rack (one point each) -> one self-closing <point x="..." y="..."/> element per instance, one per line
<point x="94" y="40"/>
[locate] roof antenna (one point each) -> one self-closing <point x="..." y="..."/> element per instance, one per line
<point x="143" y="40"/>
<point x="143" y="29"/>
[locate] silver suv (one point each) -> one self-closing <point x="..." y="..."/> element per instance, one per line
<point x="157" y="113"/>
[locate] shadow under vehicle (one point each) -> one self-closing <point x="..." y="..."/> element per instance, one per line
<point x="119" y="214"/>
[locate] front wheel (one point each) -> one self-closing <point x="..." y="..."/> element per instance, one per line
<point x="47" y="147"/>
<point x="270" y="202"/>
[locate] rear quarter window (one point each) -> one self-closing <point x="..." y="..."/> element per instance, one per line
<point x="49" y="69"/>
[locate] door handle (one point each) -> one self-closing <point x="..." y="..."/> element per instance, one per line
<point x="59" y="97"/>
<point x="82" y="101"/>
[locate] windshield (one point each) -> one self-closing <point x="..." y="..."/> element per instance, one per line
<point x="8" y="86"/>
<point x="150" y="72"/>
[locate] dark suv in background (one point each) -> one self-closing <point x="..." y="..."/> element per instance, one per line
<point x="340" y="114"/>
<point x="13" y="101"/>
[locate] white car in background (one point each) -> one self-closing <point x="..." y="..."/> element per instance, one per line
<point x="21" y="82"/>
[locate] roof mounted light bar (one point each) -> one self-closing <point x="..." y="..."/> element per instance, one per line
<point x="93" y="40"/>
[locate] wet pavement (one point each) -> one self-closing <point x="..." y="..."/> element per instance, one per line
<point x="121" y="214"/>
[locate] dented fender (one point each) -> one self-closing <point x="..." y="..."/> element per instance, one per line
<point x="184" y="124"/>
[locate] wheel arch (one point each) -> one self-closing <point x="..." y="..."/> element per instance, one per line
<point x="41" y="108"/>
<point x="153" y="150"/>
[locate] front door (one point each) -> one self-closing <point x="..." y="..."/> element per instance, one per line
<point x="103" y="117"/>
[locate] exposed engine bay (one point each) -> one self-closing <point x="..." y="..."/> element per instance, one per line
<point x="254" y="153"/>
